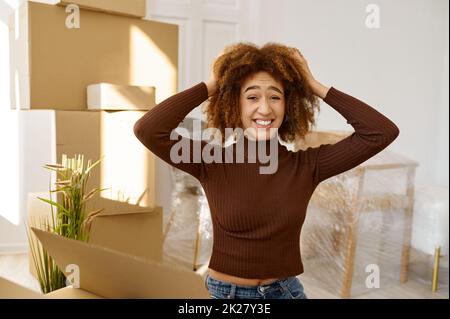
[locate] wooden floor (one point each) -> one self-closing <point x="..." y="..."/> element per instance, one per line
<point x="15" y="268"/>
<point x="413" y="289"/>
<point x="326" y="271"/>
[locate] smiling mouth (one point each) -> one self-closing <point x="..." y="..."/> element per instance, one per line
<point x="263" y="123"/>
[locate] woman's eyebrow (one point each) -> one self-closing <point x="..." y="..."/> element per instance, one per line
<point x="258" y="87"/>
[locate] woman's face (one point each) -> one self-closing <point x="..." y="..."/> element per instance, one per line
<point x="262" y="105"/>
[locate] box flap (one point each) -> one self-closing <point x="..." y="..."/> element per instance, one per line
<point x="112" y="274"/>
<point x="137" y="234"/>
<point x="114" y="207"/>
<point x="11" y="290"/>
<point x="124" y="227"/>
<point x="71" y="293"/>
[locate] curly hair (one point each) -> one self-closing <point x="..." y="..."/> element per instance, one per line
<point x="241" y="60"/>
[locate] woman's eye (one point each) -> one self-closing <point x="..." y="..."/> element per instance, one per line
<point x="253" y="98"/>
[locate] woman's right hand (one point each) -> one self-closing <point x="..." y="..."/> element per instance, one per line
<point x="211" y="84"/>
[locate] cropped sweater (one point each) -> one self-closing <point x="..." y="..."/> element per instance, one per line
<point x="257" y="218"/>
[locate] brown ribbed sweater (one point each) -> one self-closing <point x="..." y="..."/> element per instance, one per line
<point x="257" y="218"/>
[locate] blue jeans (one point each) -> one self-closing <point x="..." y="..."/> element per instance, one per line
<point x="287" y="288"/>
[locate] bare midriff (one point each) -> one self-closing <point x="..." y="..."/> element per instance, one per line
<point x="238" y="280"/>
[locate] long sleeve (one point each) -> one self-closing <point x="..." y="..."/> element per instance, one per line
<point x="373" y="133"/>
<point x="155" y="127"/>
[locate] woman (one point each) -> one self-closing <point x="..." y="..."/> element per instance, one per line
<point x="257" y="218"/>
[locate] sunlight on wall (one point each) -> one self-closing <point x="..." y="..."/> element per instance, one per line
<point x="13" y="3"/>
<point x="5" y="101"/>
<point x="147" y="60"/>
<point x="127" y="169"/>
<point x="9" y="161"/>
<point x="18" y="46"/>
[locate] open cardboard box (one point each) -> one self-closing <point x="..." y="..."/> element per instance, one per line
<point x="106" y="273"/>
<point x="123" y="258"/>
<point x="130" y="229"/>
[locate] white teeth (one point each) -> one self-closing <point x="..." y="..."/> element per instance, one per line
<point x="260" y="122"/>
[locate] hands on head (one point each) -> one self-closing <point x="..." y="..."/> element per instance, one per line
<point x="316" y="87"/>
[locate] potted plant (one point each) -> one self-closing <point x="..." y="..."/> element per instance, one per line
<point x="69" y="220"/>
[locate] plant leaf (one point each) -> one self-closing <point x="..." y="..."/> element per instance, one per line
<point x="49" y="201"/>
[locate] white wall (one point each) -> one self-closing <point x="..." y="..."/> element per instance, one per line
<point x="441" y="170"/>
<point x="401" y="68"/>
<point x="16" y="154"/>
<point x="12" y="231"/>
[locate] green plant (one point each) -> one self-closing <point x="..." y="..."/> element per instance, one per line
<point x="70" y="219"/>
<point x="48" y="274"/>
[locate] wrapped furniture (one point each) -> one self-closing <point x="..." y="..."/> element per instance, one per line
<point x="359" y="222"/>
<point x="188" y="229"/>
<point x="357" y="234"/>
<point x="430" y="236"/>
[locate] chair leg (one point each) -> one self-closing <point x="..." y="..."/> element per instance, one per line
<point x="349" y="262"/>
<point x="197" y="244"/>
<point x="407" y="227"/>
<point x="437" y="255"/>
<point x="349" y="259"/>
<point x="169" y="223"/>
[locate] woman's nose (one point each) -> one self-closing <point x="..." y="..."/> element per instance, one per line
<point x="264" y="108"/>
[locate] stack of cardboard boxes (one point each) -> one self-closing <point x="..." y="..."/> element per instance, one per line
<point x="120" y="57"/>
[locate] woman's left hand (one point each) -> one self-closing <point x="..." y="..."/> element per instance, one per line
<point x="309" y="77"/>
<point x="317" y="88"/>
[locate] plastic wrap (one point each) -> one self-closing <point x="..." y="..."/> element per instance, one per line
<point x="348" y="237"/>
<point x="431" y="219"/>
<point x="188" y="231"/>
<point x="357" y="234"/>
<point x="430" y="230"/>
<point x="187" y="226"/>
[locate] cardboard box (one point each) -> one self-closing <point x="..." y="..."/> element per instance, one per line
<point x="110" y="274"/>
<point x="52" y="64"/>
<point x="134" y="8"/>
<point x="11" y="290"/>
<point x="126" y="228"/>
<point x="71" y="293"/>
<point x="106" y="96"/>
<point x="127" y="169"/>
<point x="129" y="229"/>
